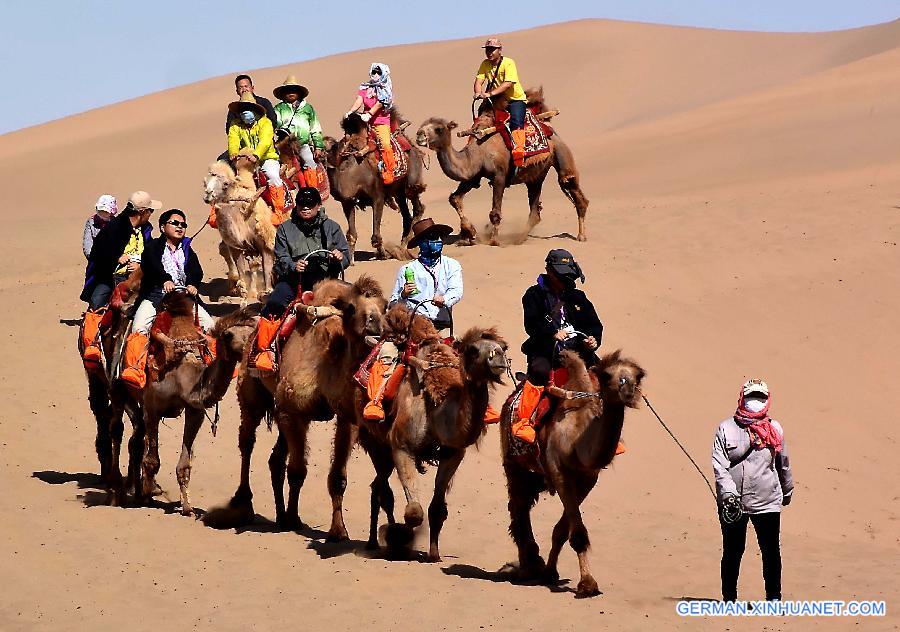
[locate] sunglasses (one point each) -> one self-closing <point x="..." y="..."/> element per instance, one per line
<point x="177" y="224"/>
<point x="490" y="49"/>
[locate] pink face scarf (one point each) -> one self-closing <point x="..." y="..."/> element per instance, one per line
<point x="758" y="424"/>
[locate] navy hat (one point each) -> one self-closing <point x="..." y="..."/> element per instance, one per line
<point x="308" y="197"/>
<point x="562" y="263"/>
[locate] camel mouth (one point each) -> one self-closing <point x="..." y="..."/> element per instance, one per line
<point x="421" y="140"/>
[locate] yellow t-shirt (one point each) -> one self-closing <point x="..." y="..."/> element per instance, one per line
<point x="135" y="248"/>
<point x="506" y="72"/>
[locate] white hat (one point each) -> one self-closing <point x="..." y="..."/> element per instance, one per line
<point x="107" y="203"/>
<point x="755" y="386"/>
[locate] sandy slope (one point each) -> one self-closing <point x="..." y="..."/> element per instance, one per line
<point x="744" y="221"/>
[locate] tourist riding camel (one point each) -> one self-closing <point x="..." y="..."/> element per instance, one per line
<point x="244" y="84"/>
<point x="116" y="253"/>
<point x="168" y="264"/>
<point x="374" y="102"/>
<point x="296" y="116"/>
<point x="557" y="317"/>
<point x="497" y="75"/>
<point x="104" y="210"/>
<point x="251" y="128"/>
<point x="308" y="230"/>
<point x="429" y="286"/>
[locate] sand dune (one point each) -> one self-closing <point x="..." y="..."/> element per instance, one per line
<point x="744" y="221"/>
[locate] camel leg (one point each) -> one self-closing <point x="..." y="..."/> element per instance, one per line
<point x="245" y="276"/>
<point x="467" y="232"/>
<point x="409" y="478"/>
<point x="578" y="535"/>
<point x="98" y="397"/>
<point x="560" y="535"/>
<point x="295" y="432"/>
<point x="350" y="214"/>
<point x="345" y="435"/>
<point x="277" y="465"/>
<point x="437" y="510"/>
<point x="417" y="207"/>
<point x="567" y="176"/>
<point x="135" y="449"/>
<point x="382" y="497"/>
<point x="403" y="205"/>
<point x="377" y="213"/>
<point x="534" y="202"/>
<point x="253" y="401"/>
<point x="233" y="275"/>
<point x="193" y="419"/>
<point x="268" y="262"/>
<point x="499" y="187"/>
<point x="150" y="463"/>
<point x="116" y="431"/>
<point x="523" y="489"/>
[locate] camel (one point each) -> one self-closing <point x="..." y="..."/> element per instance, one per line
<point x="313" y="384"/>
<point x="179" y="380"/>
<point x="244" y="221"/>
<point x="439" y="412"/>
<point x="489" y="158"/>
<point x="356" y="183"/>
<point x="577" y="442"/>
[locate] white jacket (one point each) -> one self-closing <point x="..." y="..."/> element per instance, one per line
<point x="760" y="480"/>
<point x="444" y="278"/>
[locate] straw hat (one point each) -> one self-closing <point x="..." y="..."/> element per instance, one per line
<point x="290" y="85"/>
<point x="246" y="102"/>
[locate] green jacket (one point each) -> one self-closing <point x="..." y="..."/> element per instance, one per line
<point x="302" y="123"/>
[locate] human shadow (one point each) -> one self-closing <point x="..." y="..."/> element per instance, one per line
<point x="508" y="574"/>
<point x="70" y="322"/>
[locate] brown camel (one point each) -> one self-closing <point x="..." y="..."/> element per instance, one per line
<point x="577" y="442"/>
<point x="489" y="158"/>
<point x="99" y="382"/>
<point x="439" y="412"/>
<point x="356" y="183"/>
<point x="179" y="380"/>
<point x="314" y="383"/>
<point x="244" y="222"/>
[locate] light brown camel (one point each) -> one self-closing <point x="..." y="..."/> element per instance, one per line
<point x="577" y="442"/>
<point x="439" y="412"/>
<point x="179" y="380"/>
<point x="356" y="183"/>
<point x="489" y="158"/>
<point x="314" y="383"/>
<point x="244" y="222"/>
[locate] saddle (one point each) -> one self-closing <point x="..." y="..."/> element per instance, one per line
<point x="293" y="181"/>
<point x="537" y="133"/>
<point x="401" y="147"/>
<point x="164" y="351"/>
<point x="528" y="453"/>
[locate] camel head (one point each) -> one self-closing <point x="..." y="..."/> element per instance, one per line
<point x="482" y="353"/>
<point x="286" y="144"/>
<point x="435" y="133"/>
<point x="233" y="332"/>
<point x="620" y="379"/>
<point x="362" y="305"/>
<point x="217" y="181"/>
<point x="397" y="326"/>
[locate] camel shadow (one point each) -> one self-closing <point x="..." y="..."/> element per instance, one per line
<point x="70" y="322"/>
<point x="216" y="289"/>
<point x="506" y="575"/>
<point x="221" y="309"/>
<point x="691" y="599"/>
<point x="85" y="480"/>
<point x="557" y="236"/>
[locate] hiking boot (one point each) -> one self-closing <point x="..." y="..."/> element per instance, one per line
<point x="134" y="372"/>
<point x="518" y="152"/>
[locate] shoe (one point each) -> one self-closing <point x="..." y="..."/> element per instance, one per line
<point x="134" y="372"/>
<point x="518" y="152"/>
<point x="265" y="336"/>
<point x="90" y="333"/>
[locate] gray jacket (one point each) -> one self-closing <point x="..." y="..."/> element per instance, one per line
<point x="295" y="238"/>
<point x="760" y="480"/>
<point x="91" y="230"/>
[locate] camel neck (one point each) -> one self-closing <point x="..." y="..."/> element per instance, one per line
<point x="458" y="165"/>
<point x="596" y="446"/>
<point x="216" y="379"/>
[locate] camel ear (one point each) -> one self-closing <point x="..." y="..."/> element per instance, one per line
<point x="452" y="125"/>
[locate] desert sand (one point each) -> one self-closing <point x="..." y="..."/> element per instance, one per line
<point x="744" y="222"/>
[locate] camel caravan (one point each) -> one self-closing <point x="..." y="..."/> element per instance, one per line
<point x="386" y="368"/>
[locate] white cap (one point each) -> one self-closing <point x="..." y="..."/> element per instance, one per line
<point x="755" y="386"/>
<point x="107" y="203"/>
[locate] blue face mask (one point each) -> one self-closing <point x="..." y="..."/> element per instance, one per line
<point x="430" y="251"/>
<point x="248" y="117"/>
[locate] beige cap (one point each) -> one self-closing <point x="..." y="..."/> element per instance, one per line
<point x="493" y="42"/>
<point x="755" y="387"/>
<point x="142" y="199"/>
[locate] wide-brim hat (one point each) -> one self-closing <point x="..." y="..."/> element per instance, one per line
<point x="246" y="102"/>
<point x="427" y="229"/>
<point x="290" y="85"/>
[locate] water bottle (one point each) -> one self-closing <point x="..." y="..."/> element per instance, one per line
<point x="410" y="278"/>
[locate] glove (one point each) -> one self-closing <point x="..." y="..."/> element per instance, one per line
<point x="366" y="117"/>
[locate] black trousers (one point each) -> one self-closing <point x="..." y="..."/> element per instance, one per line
<point x="282" y="295"/>
<point x="734" y="538"/>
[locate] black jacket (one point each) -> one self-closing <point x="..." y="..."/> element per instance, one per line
<point x="108" y="246"/>
<point x="263" y="101"/>
<point x="539" y="303"/>
<point x="155" y="274"/>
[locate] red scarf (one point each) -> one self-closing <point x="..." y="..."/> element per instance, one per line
<point x="762" y="433"/>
